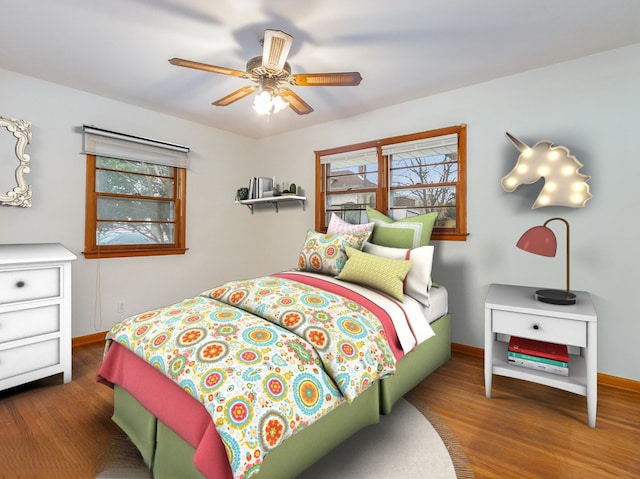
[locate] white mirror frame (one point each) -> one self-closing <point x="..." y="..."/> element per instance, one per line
<point x="21" y="194"/>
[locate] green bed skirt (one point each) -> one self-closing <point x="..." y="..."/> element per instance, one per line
<point x="414" y="367"/>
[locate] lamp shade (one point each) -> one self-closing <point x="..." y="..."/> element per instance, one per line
<point x="538" y="240"/>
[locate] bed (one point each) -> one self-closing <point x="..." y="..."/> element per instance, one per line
<point x="262" y="377"/>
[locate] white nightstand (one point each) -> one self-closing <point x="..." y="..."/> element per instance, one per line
<point x="514" y="311"/>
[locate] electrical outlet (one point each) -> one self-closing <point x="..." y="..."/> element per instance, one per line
<point x="120" y="307"/>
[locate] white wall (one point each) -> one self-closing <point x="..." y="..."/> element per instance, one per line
<point x="217" y="232"/>
<point x="589" y="105"/>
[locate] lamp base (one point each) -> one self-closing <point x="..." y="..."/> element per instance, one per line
<point x="555" y="296"/>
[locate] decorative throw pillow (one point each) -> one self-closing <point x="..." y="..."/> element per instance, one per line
<point x="405" y="233"/>
<point x="325" y="253"/>
<point x="418" y="281"/>
<point x="384" y="274"/>
<point x="339" y="226"/>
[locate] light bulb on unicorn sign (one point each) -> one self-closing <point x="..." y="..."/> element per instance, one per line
<point x="564" y="185"/>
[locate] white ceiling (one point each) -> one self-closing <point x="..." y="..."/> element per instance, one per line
<point x="404" y="49"/>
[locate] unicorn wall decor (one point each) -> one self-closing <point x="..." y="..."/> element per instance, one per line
<point x="564" y="185"/>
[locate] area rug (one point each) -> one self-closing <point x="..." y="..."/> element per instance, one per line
<point x="409" y="443"/>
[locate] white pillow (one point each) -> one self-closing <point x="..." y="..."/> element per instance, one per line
<point x="418" y="280"/>
<point x="340" y="227"/>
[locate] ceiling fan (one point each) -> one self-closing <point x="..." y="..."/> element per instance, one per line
<point x="268" y="72"/>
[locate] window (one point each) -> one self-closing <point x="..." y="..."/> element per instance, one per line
<point x="402" y="176"/>
<point x="136" y="191"/>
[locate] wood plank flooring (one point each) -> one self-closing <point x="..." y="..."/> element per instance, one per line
<point x="528" y="430"/>
<point x="50" y="430"/>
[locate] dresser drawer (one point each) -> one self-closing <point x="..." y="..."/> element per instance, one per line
<point x="29" y="284"/>
<point x="25" y="323"/>
<point x="30" y="357"/>
<point x="542" y="328"/>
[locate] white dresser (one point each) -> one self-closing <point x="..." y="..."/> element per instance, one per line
<point x="35" y="312"/>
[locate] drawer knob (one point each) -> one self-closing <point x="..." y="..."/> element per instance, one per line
<point x="20" y="284"/>
<point x="536" y="327"/>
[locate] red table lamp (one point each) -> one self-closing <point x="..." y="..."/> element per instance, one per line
<point x="541" y="240"/>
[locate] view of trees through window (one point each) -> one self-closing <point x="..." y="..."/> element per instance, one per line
<point x="133" y="207"/>
<point x="135" y="202"/>
<point x="425" y="181"/>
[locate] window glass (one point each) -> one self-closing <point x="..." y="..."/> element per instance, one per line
<point x="133" y="208"/>
<point x="351" y="183"/>
<point x="424" y="181"/>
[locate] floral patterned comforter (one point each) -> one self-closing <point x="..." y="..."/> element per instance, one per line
<point x="265" y="356"/>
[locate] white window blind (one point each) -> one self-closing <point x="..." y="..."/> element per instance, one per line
<point x="107" y="143"/>
<point x="424" y="147"/>
<point x="351" y="158"/>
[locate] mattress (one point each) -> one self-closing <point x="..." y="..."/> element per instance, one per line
<point x="439" y="304"/>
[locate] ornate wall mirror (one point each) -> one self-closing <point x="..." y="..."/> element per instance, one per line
<point x="20" y="194"/>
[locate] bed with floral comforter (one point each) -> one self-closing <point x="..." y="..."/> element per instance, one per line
<point x="260" y="361"/>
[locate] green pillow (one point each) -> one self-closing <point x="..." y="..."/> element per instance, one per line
<point x="405" y="233"/>
<point x="384" y="274"/>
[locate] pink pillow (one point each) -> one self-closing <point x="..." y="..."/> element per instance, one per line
<point x="340" y="227"/>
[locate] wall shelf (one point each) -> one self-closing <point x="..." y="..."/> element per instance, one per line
<point x="273" y="200"/>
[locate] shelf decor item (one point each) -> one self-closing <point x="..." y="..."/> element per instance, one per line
<point x="242" y="194"/>
<point x="540" y="240"/>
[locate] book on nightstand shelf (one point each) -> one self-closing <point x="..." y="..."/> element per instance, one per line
<point x="539" y="366"/>
<point x="543" y="349"/>
<point x="539" y="355"/>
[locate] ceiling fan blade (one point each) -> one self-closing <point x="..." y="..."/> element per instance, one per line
<point x="296" y="103"/>
<point x="209" y="68"/>
<point x="235" y="96"/>
<point x="275" y="49"/>
<point x="326" y="79"/>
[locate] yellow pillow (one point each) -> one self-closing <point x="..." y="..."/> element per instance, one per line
<point x="384" y="274"/>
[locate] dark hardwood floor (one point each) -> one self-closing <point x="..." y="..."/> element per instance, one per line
<point x="50" y="430"/>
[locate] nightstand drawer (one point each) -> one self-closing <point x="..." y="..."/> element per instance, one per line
<point x="24" y="323"/>
<point x="31" y="357"/>
<point x="542" y="328"/>
<point x="26" y="285"/>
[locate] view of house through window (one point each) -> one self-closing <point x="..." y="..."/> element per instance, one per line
<point x="402" y="177"/>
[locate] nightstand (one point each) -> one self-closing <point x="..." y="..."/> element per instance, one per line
<point x="514" y="311"/>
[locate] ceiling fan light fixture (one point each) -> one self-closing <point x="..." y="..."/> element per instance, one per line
<point x="266" y="104"/>
<point x="269" y="72"/>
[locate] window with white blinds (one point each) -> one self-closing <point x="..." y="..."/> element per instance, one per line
<point x="136" y="189"/>
<point x="401" y="176"/>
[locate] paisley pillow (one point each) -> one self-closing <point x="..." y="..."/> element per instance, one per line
<point x="325" y="253"/>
